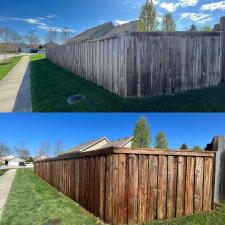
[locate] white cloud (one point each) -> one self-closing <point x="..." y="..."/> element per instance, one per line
<point x="170" y="7"/>
<point x="38" y="22"/>
<point x="213" y="6"/>
<point x="155" y="2"/>
<point x="51" y="16"/>
<point x="196" y="17"/>
<point x="186" y="3"/>
<point x="121" y="22"/>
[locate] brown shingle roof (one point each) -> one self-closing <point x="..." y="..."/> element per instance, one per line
<point x="83" y="147"/>
<point x="132" y="27"/>
<point x="92" y="33"/>
<point x="119" y="143"/>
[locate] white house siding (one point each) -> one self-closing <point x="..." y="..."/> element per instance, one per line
<point x="12" y="163"/>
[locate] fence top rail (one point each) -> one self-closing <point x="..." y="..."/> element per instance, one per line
<point x="176" y="33"/>
<point x="113" y="150"/>
<point x="153" y="34"/>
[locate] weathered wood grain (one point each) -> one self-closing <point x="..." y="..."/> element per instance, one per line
<point x="147" y="64"/>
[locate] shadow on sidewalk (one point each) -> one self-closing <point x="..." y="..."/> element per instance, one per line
<point x="23" y="102"/>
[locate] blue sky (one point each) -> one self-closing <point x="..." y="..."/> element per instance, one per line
<point x="73" y="129"/>
<point x="79" y="15"/>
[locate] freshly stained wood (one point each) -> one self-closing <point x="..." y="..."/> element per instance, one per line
<point x="181" y="174"/>
<point x="152" y="188"/>
<point x="142" y="189"/>
<point x="189" y="192"/>
<point x="171" y="188"/>
<point x="122" y="186"/>
<point x="133" y="190"/>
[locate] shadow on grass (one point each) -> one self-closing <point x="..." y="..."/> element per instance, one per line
<point x="5" y="63"/>
<point x="52" y="85"/>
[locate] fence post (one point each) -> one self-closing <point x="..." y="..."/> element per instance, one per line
<point x="218" y="145"/>
<point x="222" y="28"/>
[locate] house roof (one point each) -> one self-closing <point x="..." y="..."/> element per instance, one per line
<point x="8" y="157"/>
<point x="92" y="33"/>
<point x="39" y="158"/>
<point x="50" y="44"/>
<point x="118" y="143"/>
<point x="84" y="146"/>
<point x="131" y="26"/>
<point x="16" y="159"/>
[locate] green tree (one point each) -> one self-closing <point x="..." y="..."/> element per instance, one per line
<point x="184" y="147"/>
<point x="148" y="19"/>
<point x="193" y="28"/>
<point x="196" y="148"/>
<point x="207" y="29"/>
<point x="142" y="138"/>
<point x="161" y="141"/>
<point x="168" y="24"/>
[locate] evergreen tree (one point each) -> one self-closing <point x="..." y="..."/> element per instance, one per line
<point x="196" y="148"/>
<point x="142" y="137"/>
<point x="161" y="141"/>
<point x="148" y="19"/>
<point x="193" y="28"/>
<point x="184" y="147"/>
<point x="168" y="24"/>
<point x="207" y="29"/>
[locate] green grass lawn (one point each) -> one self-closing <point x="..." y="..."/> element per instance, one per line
<point x="216" y="217"/>
<point x="5" y="68"/>
<point x="34" y="202"/>
<point x="51" y="86"/>
<point x="2" y="172"/>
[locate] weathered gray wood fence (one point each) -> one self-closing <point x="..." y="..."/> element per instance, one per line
<point x="145" y="64"/>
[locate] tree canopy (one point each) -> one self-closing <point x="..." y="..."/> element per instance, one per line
<point x="142" y="138"/>
<point x="184" y="147"/>
<point x="168" y="24"/>
<point x="148" y="19"/>
<point x="193" y="28"/>
<point x="196" y="148"/>
<point x="161" y="141"/>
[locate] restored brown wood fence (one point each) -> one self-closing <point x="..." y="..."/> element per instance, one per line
<point x="145" y="64"/>
<point x="123" y="186"/>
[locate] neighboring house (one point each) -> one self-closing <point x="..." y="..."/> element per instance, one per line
<point x="25" y="48"/>
<point x="98" y="144"/>
<point x="40" y="158"/>
<point x="92" y="33"/>
<point x="104" y="30"/>
<point x="131" y="27"/>
<point x="12" y="161"/>
<point x="50" y="44"/>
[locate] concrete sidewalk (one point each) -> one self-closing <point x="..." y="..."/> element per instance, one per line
<point x="15" y="88"/>
<point x="6" y="181"/>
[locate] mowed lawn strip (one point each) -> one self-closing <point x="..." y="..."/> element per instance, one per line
<point x="2" y="172"/>
<point x="6" y="67"/>
<point x="52" y="85"/>
<point x="34" y="202"/>
<point x="216" y="217"/>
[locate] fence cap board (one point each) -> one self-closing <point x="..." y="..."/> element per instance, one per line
<point x="163" y="152"/>
<point x="143" y="151"/>
<point x="176" y="33"/>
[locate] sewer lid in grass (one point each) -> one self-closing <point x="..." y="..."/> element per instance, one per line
<point x="53" y="222"/>
<point x="75" y="99"/>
